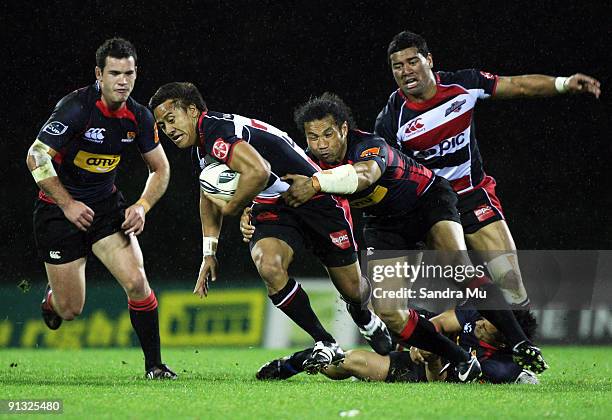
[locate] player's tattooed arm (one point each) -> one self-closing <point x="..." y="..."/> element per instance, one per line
<point x="41" y="166"/>
<point x="254" y="173"/>
<point x="538" y="85"/>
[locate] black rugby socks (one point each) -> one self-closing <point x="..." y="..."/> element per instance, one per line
<point x="421" y="333"/>
<point x="294" y="302"/>
<point x="144" y="317"/>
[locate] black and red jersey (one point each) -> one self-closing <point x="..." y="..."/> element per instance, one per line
<point x="402" y="181"/>
<point x="219" y="133"/>
<point x="89" y="139"/>
<point x="439" y="133"/>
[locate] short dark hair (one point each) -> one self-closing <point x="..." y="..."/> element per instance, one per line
<point x="116" y="48"/>
<point x="183" y="94"/>
<point x="320" y="107"/>
<point x="407" y="39"/>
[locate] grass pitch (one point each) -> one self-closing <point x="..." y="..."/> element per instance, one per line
<point x="220" y="383"/>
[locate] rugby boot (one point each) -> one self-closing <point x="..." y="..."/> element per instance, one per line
<point x="377" y="335"/>
<point x="160" y="372"/>
<point x="468" y="371"/>
<point x="51" y="318"/>
<point x="529" y="357"/>
<point x="277" y="369"/>
<point x="324" y="353"/>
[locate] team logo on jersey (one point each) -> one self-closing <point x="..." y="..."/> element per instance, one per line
<point x="454" y="107"/>
<point x="131" y="135"/>
<point x="487" y="75"/>
<point x="413" y="127"/>
<point x="483" y="213"/>
<point x="95" y="135"/>
<point x="467" y="327"/>
<point x="340" y="239"/>
<point x="372" y="151"/>
<point x="55" y="128"/>
<point x="98" y="164"/>
<point x="220" y="149"/>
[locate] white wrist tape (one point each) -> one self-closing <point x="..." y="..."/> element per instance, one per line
<point x="209" y="245"/>
<point x="561" y="84"/>
<point x="44" y="165"/>
<point x="340" y="180"/>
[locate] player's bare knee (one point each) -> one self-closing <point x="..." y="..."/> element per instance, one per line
<point x="137" y="286"/>
<point x="69" y="310"/>
<point x="392" y="318"/>
<point x="271" y="270"/>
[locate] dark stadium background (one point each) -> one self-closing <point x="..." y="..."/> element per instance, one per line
<point x="551" y="157"/>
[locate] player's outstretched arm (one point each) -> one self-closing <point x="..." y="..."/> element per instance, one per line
<point x="40" y="165"/>
<point x="211" y="219"/>
<point x="345" y="179"/>
<point x="254" y="173"/>
<point x="537" y="85"/>
<point x="157" y="183"/>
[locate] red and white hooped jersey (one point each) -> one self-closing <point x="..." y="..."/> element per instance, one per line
<point x="439" y="133"/>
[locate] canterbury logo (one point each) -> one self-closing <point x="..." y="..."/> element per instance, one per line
<point x="96" y="163"/>
<point x="55" y="255"/>
<point x="95" y="134"/>
<point x="414" y="126"/>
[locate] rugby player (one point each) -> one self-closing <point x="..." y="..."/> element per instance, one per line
<point x="406" y="204"/>
<point x="472" y="332"/>
<point x="262" y="154"/>
<point x="74" y="162"/>
<point x="430" y="118"/>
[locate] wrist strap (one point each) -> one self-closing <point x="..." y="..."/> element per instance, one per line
<point x="561" y="84"/>
<point x="145" y="204"/>
<point x="209" y="245"/>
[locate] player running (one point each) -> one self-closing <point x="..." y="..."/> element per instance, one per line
<point x="405" y="204"/>
<point x="79" y="208"/>
<point x="474" y="333"/>
<point x="430" y="118"/>
<point x="262" y="154"/>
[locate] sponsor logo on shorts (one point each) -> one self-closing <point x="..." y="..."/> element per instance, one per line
<point x="372" y="151"/>
<point x="454" y="107"/>
<point x="467" y="328"/>
<point x="55" y="128"/>
<point x="96" y="163"/>
<point x="483" y="213"/>
<point x="55" y="255"/>
<point x="95" y="135"/>
<point x="220" y="149"/>
<point x="340" y="239"/>
<point x="131" y="135"/>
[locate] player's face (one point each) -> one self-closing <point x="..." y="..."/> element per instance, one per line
<point x="485" y="331"/>
<point x="326" y="140"/>
<point x="177" y="123"/>
<point x="412" y="73"/>
<point x="116" y="80"/>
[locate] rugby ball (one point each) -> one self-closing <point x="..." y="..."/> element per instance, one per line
<point x="218" y="181"/>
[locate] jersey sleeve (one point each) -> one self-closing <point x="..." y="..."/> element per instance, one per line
<point x="68" y="119"/>
<point x="482" y="82"/>
<point x="219" y="140"/>
<point x="385" y="125"/>
<point x="466" y="315"/>
<point x="147" y="138"/>
<point x="372" y="148"/>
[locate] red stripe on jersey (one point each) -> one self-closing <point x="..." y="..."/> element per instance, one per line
<point x="201" y="130"/>
<point x="448" y="129"/>
<point x="122" y="112"/>
<point x="421" y="176"/>
<point x="443" y="93"/>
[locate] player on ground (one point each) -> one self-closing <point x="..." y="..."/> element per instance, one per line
<point x="262" y="154"/>
<point x="74" y="161"/>
<point x="405" y="204"/>
<point x="473" y="333"/>
<point x="430" y="118"/>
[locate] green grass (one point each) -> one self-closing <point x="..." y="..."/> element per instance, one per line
<point x="220" y="383"/>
